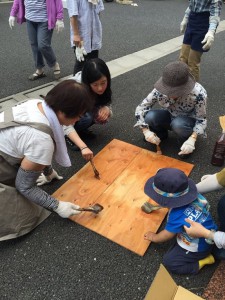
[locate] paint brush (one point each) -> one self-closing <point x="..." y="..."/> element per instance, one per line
<point x="97" y="175"/>
<point x="158" y="149"/>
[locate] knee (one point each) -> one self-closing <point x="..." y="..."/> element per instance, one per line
<point x="181" y="127"/>
<point x="168" y="263"/>
<point x="151" y="117"/>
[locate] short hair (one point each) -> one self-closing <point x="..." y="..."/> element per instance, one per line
<point x="71" y="98"/>
<point x="92" y="71"/>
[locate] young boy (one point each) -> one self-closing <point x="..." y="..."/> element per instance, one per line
<point x="171" y="188"/>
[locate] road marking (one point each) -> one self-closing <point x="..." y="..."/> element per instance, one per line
<point x="137" y="59"/>
<point x="123" y="64"/>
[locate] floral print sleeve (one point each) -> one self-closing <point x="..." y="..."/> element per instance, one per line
<point x="200" y="110"/>
<point x="143" y="108"/>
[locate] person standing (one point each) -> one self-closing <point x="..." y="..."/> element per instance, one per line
<point x="85" y="29"/>
<point x="41" y="17"/>
<point x="199" y="25"/>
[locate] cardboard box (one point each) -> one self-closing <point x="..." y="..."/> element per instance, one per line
<point x="164" y="288"/>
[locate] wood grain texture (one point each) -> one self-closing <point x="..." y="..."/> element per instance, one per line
<point x="124" y="169"/>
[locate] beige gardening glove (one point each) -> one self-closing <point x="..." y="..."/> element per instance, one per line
<point x="80" y="52"/>
<point x="12" y="21"/>
<point x="188" y="146"/>
<point x="183" y="25"/>
<point x="151" y="137"/>
<point x="67" y="209"/>
<point x="208" y="40"/>
<point x="208" y="183"/>
<point x="59" y="26"/>
<point x="42" y="179"/>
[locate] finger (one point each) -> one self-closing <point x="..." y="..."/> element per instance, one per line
<point x="41" y="183"/>
<point x="188" y="221"/>
<point x="59" y="177"/>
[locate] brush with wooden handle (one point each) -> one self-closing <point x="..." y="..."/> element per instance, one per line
<point x="158" y="150"/>
<point x="97" y="175"/>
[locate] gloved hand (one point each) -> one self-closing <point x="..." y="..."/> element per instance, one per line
<point x="151" y="137"/>
<point x="188" y="146"/>
<point x="59" y="25"/>
<point x="42" y="179"/>
<point x="208" y="183"/>
<point x="12" y="21"/>
<point x="67" y="209"/>
<point x="183" y="25"/>
<point x="80" y="52"/>
<point x="208" y="40"/>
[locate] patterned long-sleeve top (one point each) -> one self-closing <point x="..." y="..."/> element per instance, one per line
<point x="212" y="6"/>
<point x="192" y="105"/>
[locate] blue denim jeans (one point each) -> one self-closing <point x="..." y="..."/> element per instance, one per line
<point x="160" y="121"/>
<point x="221" y="213"/>
<point x="86" y="121"/>
<point x="40" y="40"/>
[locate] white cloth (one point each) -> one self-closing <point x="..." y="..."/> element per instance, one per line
<point x="25" y="141"/>
<point x="89" y="24"/>
<point x="61" y="154"/>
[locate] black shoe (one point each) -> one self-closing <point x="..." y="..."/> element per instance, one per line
<point x="87" y="134"/>
<point x="71" y="144"/>
<point x="185" y="156"/>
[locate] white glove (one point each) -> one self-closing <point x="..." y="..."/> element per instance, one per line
<point x="208" y="40"/>
<point x="59" y="25"/>
<point x="188" y="146"/>
<point x="12" y="21"/>
<point x="42" y="179"/>
<point x="67" y="209"/>
<point x="80" y="52"/>
<point x="151" y="137"/>
<point x="208" y="183"/>
<point x="183" y="25"/>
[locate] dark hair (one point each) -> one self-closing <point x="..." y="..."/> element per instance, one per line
<point x="71" y="98"/>
<point x="92" y="71"/>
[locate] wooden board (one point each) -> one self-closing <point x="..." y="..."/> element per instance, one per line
<point x="124" y="169"/>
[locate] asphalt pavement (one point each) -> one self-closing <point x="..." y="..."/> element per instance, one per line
<point x="63" y="260"/>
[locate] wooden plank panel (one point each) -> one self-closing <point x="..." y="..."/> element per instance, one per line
<point x="124" y="169"/>
<point x="83" y="188"/>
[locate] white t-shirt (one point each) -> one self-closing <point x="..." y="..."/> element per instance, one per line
<point x="25" y="141"/>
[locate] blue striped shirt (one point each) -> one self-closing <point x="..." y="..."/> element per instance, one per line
<point x="89" y="24"/>
<point x="212" y="6"/>
<point x="36" y="10"/>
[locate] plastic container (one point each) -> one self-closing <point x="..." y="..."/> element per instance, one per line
<point x="219" y="151"/>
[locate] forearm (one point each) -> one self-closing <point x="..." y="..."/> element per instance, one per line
<point x="163" y="236"/>
<point x="74" y="25"/>
<point x="74" y="137"/>
<point x="26" y="185"/>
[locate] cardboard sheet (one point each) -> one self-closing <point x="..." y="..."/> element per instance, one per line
<point x="124" y="169"/>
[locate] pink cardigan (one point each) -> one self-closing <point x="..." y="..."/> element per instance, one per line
<point x="54" y="11"/>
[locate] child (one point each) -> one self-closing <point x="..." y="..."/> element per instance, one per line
<point x="96" y="75"/>
<point x="171" y="188"/>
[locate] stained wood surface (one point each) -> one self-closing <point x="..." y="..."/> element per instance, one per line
<point x="124" y="169"/>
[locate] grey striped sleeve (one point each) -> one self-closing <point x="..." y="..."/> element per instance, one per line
<point x="26" y="185"/>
